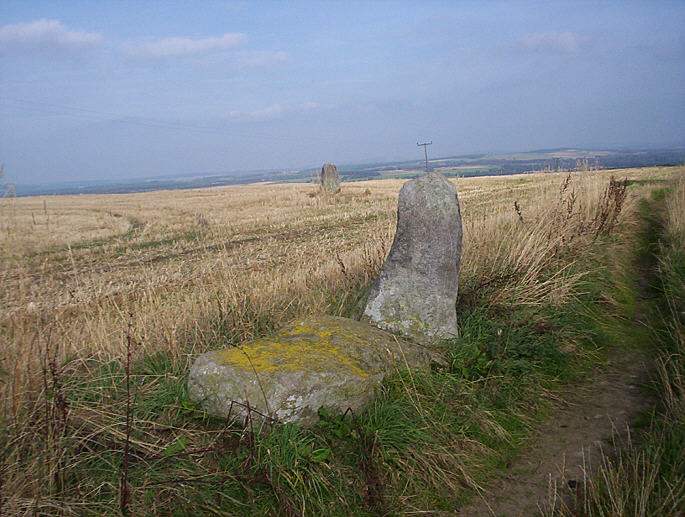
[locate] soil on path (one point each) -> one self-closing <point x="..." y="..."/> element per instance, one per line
<point x="570" y="442"/>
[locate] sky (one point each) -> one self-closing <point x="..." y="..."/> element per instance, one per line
<point x="105" y="90"/>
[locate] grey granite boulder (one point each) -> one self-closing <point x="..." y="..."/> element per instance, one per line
<point x="416" y="292"/>
<point x="330" y="181"/>
<point x="326" y="361"/>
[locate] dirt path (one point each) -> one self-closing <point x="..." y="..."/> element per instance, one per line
<point x="569" y="441"/>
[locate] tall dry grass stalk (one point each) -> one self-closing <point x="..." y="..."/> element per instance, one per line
<point x="516" y="248"/>
<point x="675" y="208"/>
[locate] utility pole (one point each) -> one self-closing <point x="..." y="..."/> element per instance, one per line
<point x="425" y="152"/>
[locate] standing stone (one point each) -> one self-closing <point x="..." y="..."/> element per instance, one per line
<point x="416" y="292"/>
<point x="330" y="181"/>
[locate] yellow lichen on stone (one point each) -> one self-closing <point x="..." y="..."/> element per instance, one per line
<point x="324" y="361"/>
<point x="301" y="347"/>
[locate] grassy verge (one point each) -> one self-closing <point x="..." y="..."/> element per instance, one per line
<point x="647" y="476"/>
<point x="107" y="437"/>
<point x="427" y="442"/>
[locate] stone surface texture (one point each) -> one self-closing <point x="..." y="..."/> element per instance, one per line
<point x="330" y="181"/>
<point x="325" y="361"/>
<point x="416" y="292"/>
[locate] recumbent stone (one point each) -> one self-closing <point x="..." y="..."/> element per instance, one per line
<point x="327" y="361"/>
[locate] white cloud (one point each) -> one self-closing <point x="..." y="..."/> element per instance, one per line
<point x="259" y="59"/>
<point x="177" y="47"/>
<point x="46" y="37"/>
<point x="559" y="42"/>
<point x="310" y="106"/>
<point x="273" y="111"/>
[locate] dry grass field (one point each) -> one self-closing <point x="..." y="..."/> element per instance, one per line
<point x="184" y="271"/>
<point x="174" y="258"/>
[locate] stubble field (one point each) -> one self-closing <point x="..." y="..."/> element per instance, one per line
<point x="174" y="258"/>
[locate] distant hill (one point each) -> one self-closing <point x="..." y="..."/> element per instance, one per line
<point x="462" y="165"/>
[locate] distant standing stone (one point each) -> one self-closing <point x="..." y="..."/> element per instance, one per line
<point x="416" y="292"/>
<point x="330" y="181"/>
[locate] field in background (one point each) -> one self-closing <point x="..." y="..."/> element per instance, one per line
<point x="173" y="258"/>
<point x="456" y="166"/>
<point x="185" y="271"/>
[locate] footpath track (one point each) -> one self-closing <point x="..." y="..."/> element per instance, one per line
<point x="571" y="441"/>
<point x="591" y="419"/>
